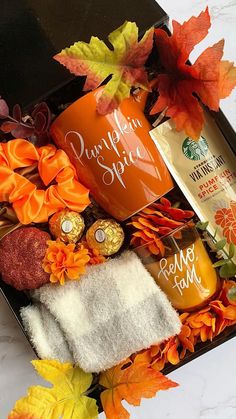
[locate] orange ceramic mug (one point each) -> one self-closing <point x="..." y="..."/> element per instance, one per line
<point x="113" y="154"/>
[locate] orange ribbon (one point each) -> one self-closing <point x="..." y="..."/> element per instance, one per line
<point x="32" y="204"/>
<point x="8" y="221"/>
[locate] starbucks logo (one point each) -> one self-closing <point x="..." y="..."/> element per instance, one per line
<point x="195" y="150"/>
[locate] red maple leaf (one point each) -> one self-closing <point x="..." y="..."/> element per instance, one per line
<point x="209" y="78"/>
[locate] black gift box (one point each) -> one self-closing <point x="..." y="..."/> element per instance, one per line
<point x="31" y="32"/>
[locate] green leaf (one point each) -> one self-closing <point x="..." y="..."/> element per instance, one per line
<point x="232" y="294"/>
<point x="220" y="244"/>
<point x="231" y="250"/>
<point x="220" y="263"/>
<point x="125" y="63"/>
<point x="202" y="225"/>
<point x="228" y="270"/>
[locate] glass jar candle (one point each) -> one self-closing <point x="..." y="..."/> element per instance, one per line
<point x="185" y="272"/>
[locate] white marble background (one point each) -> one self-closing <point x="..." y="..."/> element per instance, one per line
<point x="208" y="384"/>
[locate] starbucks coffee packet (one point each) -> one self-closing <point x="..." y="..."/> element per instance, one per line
<point x="205" y="171"/>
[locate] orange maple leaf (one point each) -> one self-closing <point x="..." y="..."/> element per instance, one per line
<point x="130" y="383"/>
<point x="209" y="77"/>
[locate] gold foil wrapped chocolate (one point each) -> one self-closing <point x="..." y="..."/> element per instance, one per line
<point x="67" y="225"/>
<point x="107" y="236"/>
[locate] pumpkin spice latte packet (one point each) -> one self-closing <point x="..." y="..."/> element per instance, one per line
<point x="205" y="171"/>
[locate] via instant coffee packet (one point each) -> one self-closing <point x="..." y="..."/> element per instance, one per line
<point x="205" y="171"/>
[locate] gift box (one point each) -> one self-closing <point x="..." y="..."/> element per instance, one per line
<point x="45" y="29"/>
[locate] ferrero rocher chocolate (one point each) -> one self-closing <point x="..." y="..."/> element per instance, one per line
<point x="67" y="225"/>
<point x="106" y="236"/>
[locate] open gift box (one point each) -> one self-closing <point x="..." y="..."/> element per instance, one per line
<point x="45" y="33"/>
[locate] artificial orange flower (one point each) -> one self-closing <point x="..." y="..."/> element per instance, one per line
<point x="198" y="326"/>
<point x="62" y="262"/>
<point x="158" y="355"/>
<point x="165" y="352"/>
<point x="154" y="244"/>
<point x="156" y="221"/>
<point x="144" y="356"/>
<point x="186" y="340"/>
<point x="177" y="214"/>
<point x="173" y="350"/>
<point x="95" y="257"/>
<point x="203" y="324"/>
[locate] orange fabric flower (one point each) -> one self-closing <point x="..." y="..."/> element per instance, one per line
<point x="203" y="324"/>
<point x="95" y="257"/>
<point x="199" y="326"/>
<point x="186" y="340"/>
<point x="176" y="214"/>
<point x="156" y="221"/>
<point x="164" y="353"/>
<point x="155" y="244"/>
<point x="63" y="262"/>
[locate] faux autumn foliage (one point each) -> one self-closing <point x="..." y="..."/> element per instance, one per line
<point x="209" y="77"/>
<point x="70" y="396"/>
<point x="137" y="377"/>
<point x="199" y="326"/>
<point x="125" y="63"/>
<point x="67" y="398"/>
<point x="68" y="261"/>
<point x="130" y="381"/>
<point x="65" y="262"/>
<point x="155" y="221"/>
<point x="178" y="83"/>
<point x="34" y="126"/>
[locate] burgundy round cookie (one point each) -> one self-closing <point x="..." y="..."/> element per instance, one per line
<point x="21" y="255"/>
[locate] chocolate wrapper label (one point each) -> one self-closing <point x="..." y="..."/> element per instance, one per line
<point x="67" y="226"/>
<point x="100" y="236"/>
<point x="205" y="171"/>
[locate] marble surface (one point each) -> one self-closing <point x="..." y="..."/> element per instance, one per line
<point x="207" y="384"/>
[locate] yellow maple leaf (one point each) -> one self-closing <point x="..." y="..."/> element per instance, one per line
<point x="125" y="63"/>
<point x="66" y="399"/>
<point x="22" y="416"/>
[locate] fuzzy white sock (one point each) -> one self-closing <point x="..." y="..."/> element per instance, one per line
<point x="45" y="333"/>
<point x="116" y="309"/>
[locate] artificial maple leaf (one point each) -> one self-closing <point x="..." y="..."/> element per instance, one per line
<point x="131" y="384"/>
<point x="66" y="399"/>
<point x="125" y="63"/>
<point x="22" y="416"/>
<point x="209" y="77"/>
